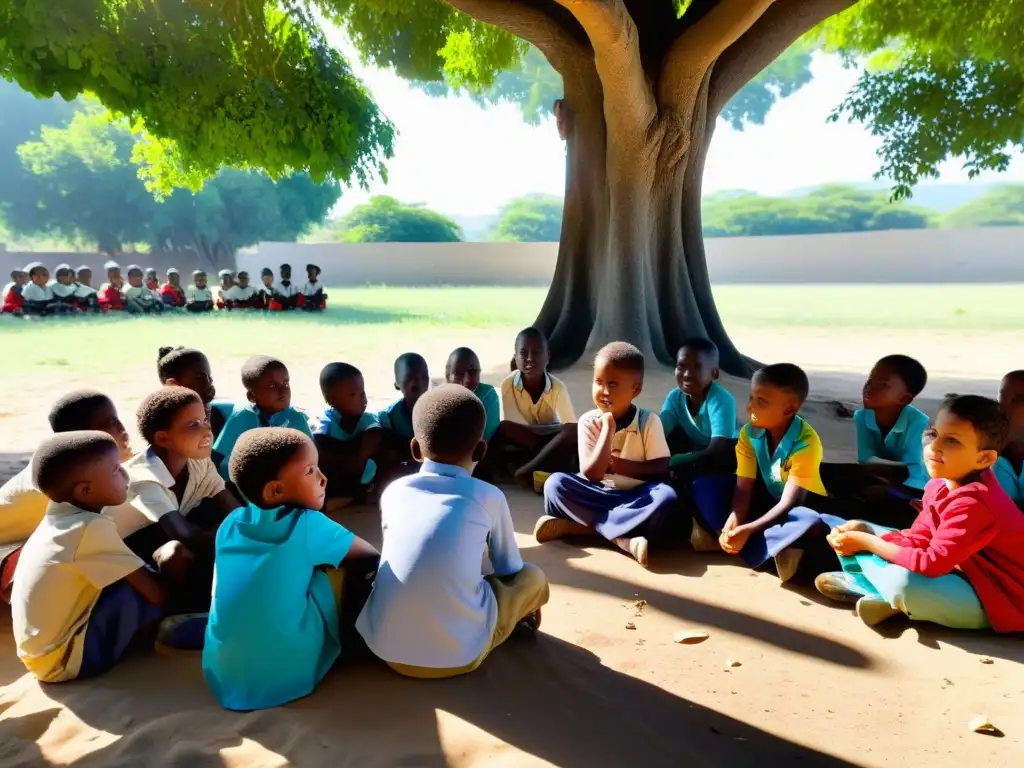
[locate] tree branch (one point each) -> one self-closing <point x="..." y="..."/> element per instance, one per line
<point x="697" y="48"/>
<point x="526" y="21"/>
<point x="780" y="26"/>
<point x="628" y="98"/>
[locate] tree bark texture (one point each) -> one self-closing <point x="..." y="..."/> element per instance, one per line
<point x="644" y="91"/>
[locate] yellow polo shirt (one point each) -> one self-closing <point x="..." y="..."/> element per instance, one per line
<point x="553" y="407"/>
<point x="797" y="457"/>
<point x="21" y="509"/>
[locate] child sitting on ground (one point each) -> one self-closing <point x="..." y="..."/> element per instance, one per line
<point x="81" y="595"/>
<point x="198" y="298"/>
<point x="85" y="294"/>
<point x="265" y="297"/>
<point x="346" y="435"/>
<point x="286" y="292"/>
<point x="538" y="421"/>
<point x="64" y="289"/>
<point x="770" y="504"/>
<point x="22" y="505"/>
<point x="227" y="282"/>
<point x="890" y="469"/>
<point x="312" y="297"/>
<point x="175" y="493"/>
<point x="37" y="294"/>
<point x="699" y="416"/>
<point x="961" y="564"/>
<point x="412" y="379"/>
<point x="110" y="297"/>
<point x="171" y="292"/>
<point x="269" y="391"/>
<point x="289" y="583"/>
<point x="190" y="368"/>
<point x="138" y="299"/>
<point x="240" y="295"/>
<point x="432" y="613"/>
<point x="621" y="491"/>
<point x="463" y="367"/>
<point x="1009" y="467"/>
<point x="151" y="281"/>
<point x="13" y="301"/>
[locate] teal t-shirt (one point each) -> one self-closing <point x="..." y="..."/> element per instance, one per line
<point x="273" y="629"/>
<point x="247" y="417"/>
<point x="397" y="418"/>
<point x="904" y="442"/>
<point x="329" y="424"/>
<point x="1009" y="480"/>
<point x="492" y="407"/>
<point x="716" y="416"/>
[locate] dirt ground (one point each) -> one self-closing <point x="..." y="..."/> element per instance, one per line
<point x="814" y="686"/>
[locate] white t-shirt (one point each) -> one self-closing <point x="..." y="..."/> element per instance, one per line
<point x="553" y="407"/>
<point x="430" y="605"/>
<point x="627" y="444"/>
<point x="33" y="292"/>
<point x="310" y="288"/>
<point x="69" y="559"/>
<point x="292" y="289"/>
<point x="22" y="506"/>
<point x="141" y="294"/>
<point x="237" y="293"/>
<point x="149" y="491"/>
<point x="193" y="294"/>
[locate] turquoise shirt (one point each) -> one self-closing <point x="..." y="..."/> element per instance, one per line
<point x="904" y="443"/>
<point x="492" y="407"/>
<point x="220" y="412"/>
<point x="716" y="416"/>
<point x="273" y="629"/>
<point x="1008" y="479"/>
<point x="329" y="424"/>
<point x="796" y="457"/>
<point x="397" y="418"/>
<point x="247" y="417"/>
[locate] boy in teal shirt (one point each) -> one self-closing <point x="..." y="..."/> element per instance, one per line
<point x="699" y="416"/>
<point x="1009" y="467"/>
<point x="412" y="379"/>
<point x="463" y="367"/>
<point x="268" y="389"/>
<point x="346" y="435"/>
<point x="290" y="582"/>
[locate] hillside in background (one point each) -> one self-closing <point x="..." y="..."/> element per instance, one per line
<point x="937" y="195"/>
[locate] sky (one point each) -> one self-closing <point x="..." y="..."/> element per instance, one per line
<point x="462" y="159"/>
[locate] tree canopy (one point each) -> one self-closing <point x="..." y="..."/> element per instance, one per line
<point x="1002" y="206"/>
<point x="386" y="220"/>
<point x="530" y="219"/>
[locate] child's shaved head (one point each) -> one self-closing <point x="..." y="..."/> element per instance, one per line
<point x="76" y="410"/>
<point x="64" y="461"/>
<point x="623" y="356"/>
<point x="448" y="423"/>
<point x="409" y="363"/>
<point x="255" y="367"/>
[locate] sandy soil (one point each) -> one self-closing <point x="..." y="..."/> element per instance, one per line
<point x="815" y="687"/>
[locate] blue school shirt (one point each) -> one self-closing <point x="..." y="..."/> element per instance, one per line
<point x="329" y="424"/>
<point x="1008" y="479"/>
<point x="904" y="443"/>
<point x="488" y="395"/>
<point x="715" y="418"/>
<point x="397" y="418"/>
<point x="247" y="417"/>
<point x="273" y="629"/>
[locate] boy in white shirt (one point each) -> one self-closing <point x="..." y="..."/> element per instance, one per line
<point x="37" y="294"/>
<point x="312" y="297"/>
<point x="286" y="292"/>
<point x="198" y="298"/>
<point x="432" y="612"/>
<point x="63" y="287"/>
<point x="227" y="282"/>
<point x="621" y="491"/>
<point x="138" y="299"/>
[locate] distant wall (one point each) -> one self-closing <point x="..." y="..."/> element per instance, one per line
<point x="185" y="261"/>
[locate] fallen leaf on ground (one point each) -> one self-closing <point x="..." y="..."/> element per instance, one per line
<point x="638" y="607"/>
<point x="690" y="637"/>
<point x="630" y="625"/>
<point x="987" y="660"/>
<point x="981" y="724"/>
<point x="730" y="664"/>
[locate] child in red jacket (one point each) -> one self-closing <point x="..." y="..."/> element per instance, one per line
<point x="961" y="564"/>
<point x="110" y="297"/>
<point x="171" y="292"/>
<point x="13" y="303"/>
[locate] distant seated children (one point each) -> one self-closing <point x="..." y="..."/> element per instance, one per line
<point x="699" y="416"/>
<point x="346" y="435"/>
<point x="138" y="299"/>
<point x="152" y="283"/>
<point x="81" y="595"/>
<point x="961" y="564"/>
<point x="227" y="282"/>
<point x="269" y="391"/>
<point x="22" y="505"/>
<point x="289" y="583"/>
<point x="171" y="292"/>
<point x="264" y="297"/>
<point x="538" y="424"/>
<point x="111" y="298"/>
<point x="85" y="294"/>
<point x="621" y="491"/>
<point x="463" y="367"/>
<point x="1009" y="467"/>
<point x="175" y="492"/>
<point x="285" y="291"/>
<point x="412" y="379"/>
<point x="432" y="612"/>
<point x="771" y="504"/>
<point x="190" y="368"/>
<point x="64" y="290"/>
<point x="312" y="297"/>
<point x="240" y="295"/>
<point x="37" y="294"/>
<point x="13" y="301"/>
<point x="198" y="298"/>
<point x="890" y="469"/>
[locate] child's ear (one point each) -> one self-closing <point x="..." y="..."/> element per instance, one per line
<point x="480" y="451"/>
<point x="907" y="399"/>
<point x="272" y="493"/>
<point x="791" y="408"/>
<point x="171" y="382"/>
<point x="249" y="397"/>
<point x="417" y="452"/>
<point x="638" y="388"/>
<point x="715" y="373"/>
<point x="987" y="458"/>
<point x="81" y="490"/>
<point x="397" y="387"/>
<point x="162" y="440"/>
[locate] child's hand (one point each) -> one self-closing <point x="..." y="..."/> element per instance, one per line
<point x="734" y="536"/>
<point x="608" y="422"/>
<point x="848" y="543"/>
<point x="853" y="525"/>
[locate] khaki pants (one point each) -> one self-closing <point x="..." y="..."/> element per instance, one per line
<point x="518" y="596"/>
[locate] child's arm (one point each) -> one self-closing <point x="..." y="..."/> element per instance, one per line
<point x="501" y="543"/>
<point x="595" y="437"/>
<point x="792" y="496"/>
<point x="147" y="585"/>
<point x="492" y="410"/>
<point x="733" y="537"/>
<point x="722" y="417"/>
<point x="178" y="528"/>
<point x="652" y="470"/>
<point x="563" y="407"/>
<point x="227" y="502"/>
<point x="509" y="408"/>
<point x="360" y="548"/>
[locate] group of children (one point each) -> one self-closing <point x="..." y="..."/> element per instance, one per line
<point x="139" y="292"/>
<point x="214" y="536"/>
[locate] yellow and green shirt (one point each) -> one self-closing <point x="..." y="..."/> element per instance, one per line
<point x="797" y="457"/>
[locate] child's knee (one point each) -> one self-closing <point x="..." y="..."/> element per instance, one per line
<point x="174" y="559"/>
<point x="556" y="485"/>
